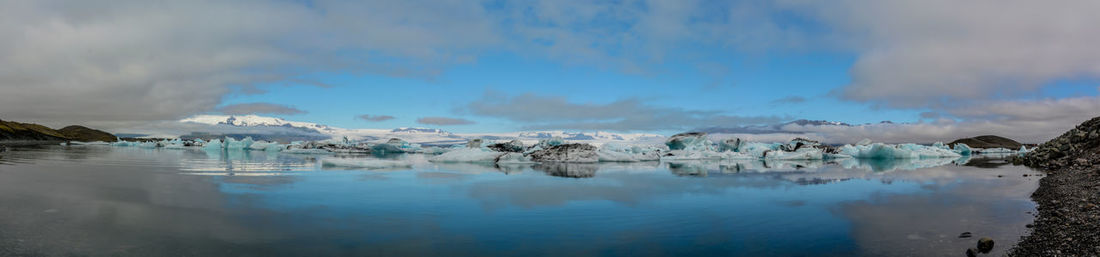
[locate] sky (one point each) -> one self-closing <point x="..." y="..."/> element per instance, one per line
<point x="937" y="69"/>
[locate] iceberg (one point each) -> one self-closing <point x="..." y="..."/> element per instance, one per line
<point x="234" y="144"/>
<point x="962" y="149"/>
<point x="730" y="145"/>
<point x="692" y="141"/>
<point x="567" y="153"/>
<point x="903" y="151"/>
<point x="618" y="152"/>
<point x="213" y="144"/>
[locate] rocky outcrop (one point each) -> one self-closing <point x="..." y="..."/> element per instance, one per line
<point x="85" y="134"/>
<point x="988" y="141"/>
<point x="1079" y="146"/>
<point x="566" y="153"/>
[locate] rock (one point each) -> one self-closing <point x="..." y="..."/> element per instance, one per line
<point x="965" y="235"/>
<point x="474" y="143"/>
<point x="514" y="146"/>
<point x="566" y="153"/>
<point x="985" y="245"/>
<point x="688" y="141"/>
<point x="971" y="252"/>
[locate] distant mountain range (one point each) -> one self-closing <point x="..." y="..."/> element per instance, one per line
<point x="777" y="128"/>
<point x="16" y="131"/>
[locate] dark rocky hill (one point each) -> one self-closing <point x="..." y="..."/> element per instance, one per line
<point x="85" y="134"/>
<point x="16" y="131"/>
<point x="988" y="141"/>
<point x="10" y="130"/>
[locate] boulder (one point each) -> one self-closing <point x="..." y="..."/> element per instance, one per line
<point x="566" y="153"/>
<point x="985" y="245"/>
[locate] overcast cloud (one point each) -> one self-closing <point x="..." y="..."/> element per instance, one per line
<point x="125" y="62"/>
<point x="259" y="108"/>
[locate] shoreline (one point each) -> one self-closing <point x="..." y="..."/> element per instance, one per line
<point x="29" y="142"/>
<point x="1067" y="222"/>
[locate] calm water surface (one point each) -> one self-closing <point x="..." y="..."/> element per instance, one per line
<point x="109" y="201"/>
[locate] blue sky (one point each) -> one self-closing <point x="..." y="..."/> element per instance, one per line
<point x="946" y="69"/>
<point x="753" y="88"/>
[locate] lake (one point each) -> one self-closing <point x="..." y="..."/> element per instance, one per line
<point x="111" y="201"/>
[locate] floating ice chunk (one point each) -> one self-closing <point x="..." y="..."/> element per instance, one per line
<point x="365" y="163"/>
<point x="865" y="141"/>
<point x="962" y="149"/>
<point x="123" y="143"/>
<point x="940" y="145"/>
<point x="213" y="144"/>
<point x="618" y="152"/>
<point x="903" y="151"/>
<point x="234" y="144"/>
<point x="147" y="145"/>
<point x="467" y="155"/>
<point x="730" y="145"/>
<point x="1023" y="150"/>
<point x="995" y="150"/>
<point x="757" y="149"/>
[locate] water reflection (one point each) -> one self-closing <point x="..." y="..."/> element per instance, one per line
<point x="145" y="202"/>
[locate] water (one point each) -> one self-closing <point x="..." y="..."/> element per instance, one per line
<point x="100" y="200"/>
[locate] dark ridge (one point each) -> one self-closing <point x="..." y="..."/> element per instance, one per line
<point x="988" y="141"/>
<point x="85" y="134"/>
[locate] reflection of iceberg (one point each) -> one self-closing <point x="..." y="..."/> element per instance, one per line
<point x="365" y="163"/>
<point x="705" y="167"/>
<point x="569" y="170"/>
<point x="878" y="165"/>
<point x="468" y="155"/>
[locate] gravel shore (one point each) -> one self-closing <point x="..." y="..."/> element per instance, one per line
<point x="1068" y="220"/>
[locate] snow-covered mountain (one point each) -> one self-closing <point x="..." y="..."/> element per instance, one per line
<point x="418" y="135"/>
